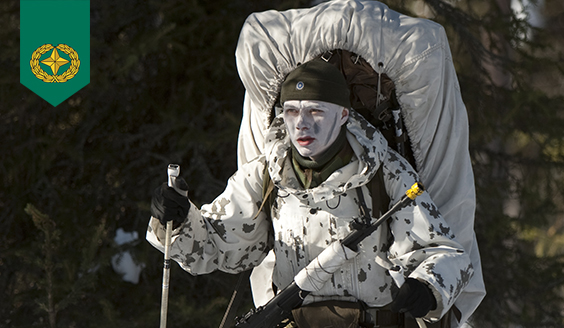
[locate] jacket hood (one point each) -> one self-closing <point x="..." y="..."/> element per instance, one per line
<point x="367" y="142"/>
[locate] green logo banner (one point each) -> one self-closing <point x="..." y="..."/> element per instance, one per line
<point x="55" y="47"/>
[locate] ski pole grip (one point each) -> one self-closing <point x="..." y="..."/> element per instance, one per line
<point x="416" y="190"/>
<point x="173" y="172"/>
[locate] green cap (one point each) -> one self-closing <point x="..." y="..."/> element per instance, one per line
<point x="316" y="80"/>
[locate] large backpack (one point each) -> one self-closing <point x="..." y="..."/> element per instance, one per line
<point x="373" y="94"/>
<point x="408" y="61"/>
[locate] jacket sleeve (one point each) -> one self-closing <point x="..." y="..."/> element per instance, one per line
<point x="415" y="54"/>
<point x="229" y="234"/>
<point x="424" y="246"/>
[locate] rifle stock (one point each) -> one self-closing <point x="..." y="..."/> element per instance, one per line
<point x="273" y="313"/>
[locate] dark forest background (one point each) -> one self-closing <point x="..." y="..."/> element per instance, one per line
<point x="164" y="89"/>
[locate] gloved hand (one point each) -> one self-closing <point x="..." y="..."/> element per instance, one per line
<point x="415" y="298"/>
<point x="168" y="205"/>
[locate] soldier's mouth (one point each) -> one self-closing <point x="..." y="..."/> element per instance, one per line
<point x="305" y="141"/>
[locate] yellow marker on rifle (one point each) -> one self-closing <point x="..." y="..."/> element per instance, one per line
<point x="415" y="190"/>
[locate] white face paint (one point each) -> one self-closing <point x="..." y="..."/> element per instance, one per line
<point x="313" y="126"/>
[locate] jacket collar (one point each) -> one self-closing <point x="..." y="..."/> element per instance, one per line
<point x="367" y="142"/>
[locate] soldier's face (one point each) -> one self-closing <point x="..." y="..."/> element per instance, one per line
<point x="313" y="126"/>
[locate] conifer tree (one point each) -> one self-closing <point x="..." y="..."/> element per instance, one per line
<point x="164" y="88"/>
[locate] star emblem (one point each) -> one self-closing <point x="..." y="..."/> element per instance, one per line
<point x="55" y="61"/>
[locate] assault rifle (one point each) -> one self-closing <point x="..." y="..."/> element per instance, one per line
<point x="279" y="308"/>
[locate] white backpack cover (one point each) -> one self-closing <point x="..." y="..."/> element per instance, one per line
<point x="415" y="54"/>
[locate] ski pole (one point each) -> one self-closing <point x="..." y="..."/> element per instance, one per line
<point x="173" y="171"/>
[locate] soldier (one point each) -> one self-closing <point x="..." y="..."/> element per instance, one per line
<point x="326" y="162"/>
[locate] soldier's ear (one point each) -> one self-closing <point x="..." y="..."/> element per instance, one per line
<point x="344" y="115"/>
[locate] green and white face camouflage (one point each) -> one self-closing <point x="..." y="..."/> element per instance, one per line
<point x="313" y="126"/>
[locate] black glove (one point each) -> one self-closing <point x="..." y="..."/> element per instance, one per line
<point x="415" y="298"/>
<point x="169" y="205"/>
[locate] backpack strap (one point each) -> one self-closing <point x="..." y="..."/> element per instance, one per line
<point x="380" y="198"/>
<point x="269" y="192"/>
<point x="380" y="201"/>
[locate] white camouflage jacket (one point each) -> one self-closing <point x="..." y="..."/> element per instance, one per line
<point x="415" y="54"/>
<point x="228" y="235"/>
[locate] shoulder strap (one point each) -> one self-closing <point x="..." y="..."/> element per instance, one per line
<point x="380" y="198"/>
<point x="381" y="201"/>
<point x="268" y="193"/>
